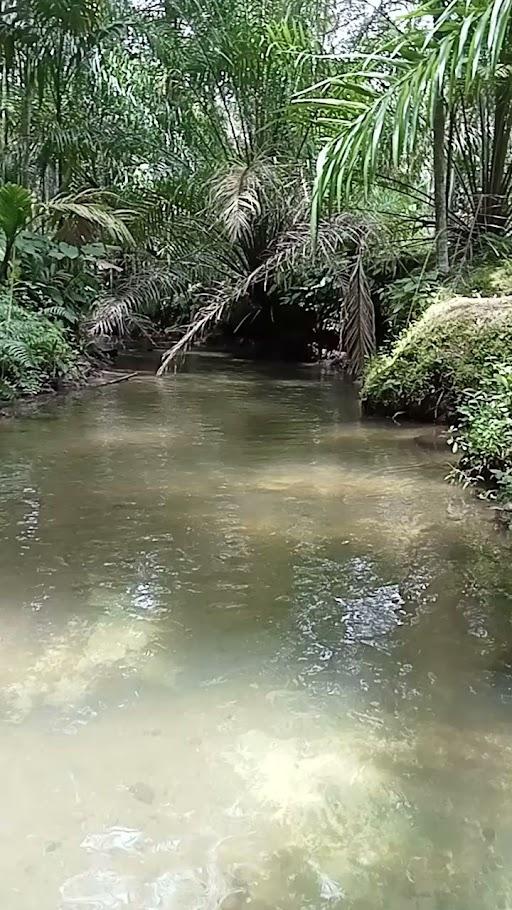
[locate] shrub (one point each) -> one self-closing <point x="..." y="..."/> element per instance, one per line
<point x="406" y="299"/>
<point x="483" y="436"/>
<point x="34" y="352"/>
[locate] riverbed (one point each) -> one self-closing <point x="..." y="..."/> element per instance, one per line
<point x="254" y="652"/>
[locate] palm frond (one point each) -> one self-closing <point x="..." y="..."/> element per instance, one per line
<point x="331" y="247"/>
<point x="141" y="294"/>
<point x="237" y="199"/>
<point x="98" y="210"/>
<point x="357" y="337"/>
<point x="376" y="112"/>
<point x="207" y="316"/>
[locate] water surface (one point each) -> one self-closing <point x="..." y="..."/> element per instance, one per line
<point x="254" y="652"/>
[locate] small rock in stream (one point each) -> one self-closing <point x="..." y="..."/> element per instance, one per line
<point x="143" y="792"/>
<point x="52" y="846"/>
<point x="489" y="834"/>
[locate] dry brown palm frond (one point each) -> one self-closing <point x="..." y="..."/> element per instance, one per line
<point x="357" y="336"/>
<point x="336" y="238"/>
<point x="207" y="316"/>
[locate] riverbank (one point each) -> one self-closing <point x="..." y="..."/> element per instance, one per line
<point x="97" y="378"/>
<point x="453" y="365"/>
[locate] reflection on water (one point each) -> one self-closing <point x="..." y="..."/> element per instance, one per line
<point x="253" y="652"/>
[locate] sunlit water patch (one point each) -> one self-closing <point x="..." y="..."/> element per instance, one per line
<point x="254" y="652"/>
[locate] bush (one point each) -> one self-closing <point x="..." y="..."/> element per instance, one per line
<point x="404" y="300"/>
<point x="34" y="352"/>
<point x="483" y="436"/>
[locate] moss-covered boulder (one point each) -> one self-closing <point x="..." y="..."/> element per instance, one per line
<point x="450" y="349"/>
<point x="405" y="299"/>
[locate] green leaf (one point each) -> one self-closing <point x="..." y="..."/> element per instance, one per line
<point x="15" y="209"/>
<point x="498" y="26"/>
<point x="69" y="251"/>
<point x="93" y="250"/>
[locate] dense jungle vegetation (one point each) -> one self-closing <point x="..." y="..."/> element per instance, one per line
<point x="306" y="177"/>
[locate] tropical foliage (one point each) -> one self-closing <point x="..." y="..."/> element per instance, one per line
<point x="34" y="352"/>
<point x="158" y="164"/>
<point x="483" y="436"/>
<point x="427" y="110"/>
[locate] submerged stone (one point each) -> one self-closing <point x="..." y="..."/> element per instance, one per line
<point x="143" y="792"/>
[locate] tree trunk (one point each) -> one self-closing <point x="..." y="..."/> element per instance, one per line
<point x="440" y="186"/>
<point x="494" y="193"/>
<point x="26" y="122"/>
<point x="4" y="264"/>
<point x="4" y="118"/>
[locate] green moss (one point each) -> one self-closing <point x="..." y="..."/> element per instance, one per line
<point x="487" y="280"/>
<point x="446" y="352"/>
<point x="406" y="299"/>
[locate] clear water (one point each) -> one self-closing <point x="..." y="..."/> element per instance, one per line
<point x="253" y="652"/>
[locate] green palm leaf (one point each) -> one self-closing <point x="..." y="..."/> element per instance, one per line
<point x="15" y="209"/>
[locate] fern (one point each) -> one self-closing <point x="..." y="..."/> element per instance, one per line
<point x="33" y="351"/>
<point x="60" y="312"/>
<point x="16" y="354"/>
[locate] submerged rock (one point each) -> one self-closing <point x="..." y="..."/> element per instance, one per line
<point x="71" y="663"/>
<point x="143" y="792"/>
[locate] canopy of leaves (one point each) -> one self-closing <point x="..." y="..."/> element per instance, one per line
<point x="185" y="137"/>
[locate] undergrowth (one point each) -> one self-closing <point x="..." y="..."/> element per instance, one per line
<point x="483" y="435"/>
<point x="452" y="361"/>
<point x="34" y="352"/>
<point x="404" y="300"/>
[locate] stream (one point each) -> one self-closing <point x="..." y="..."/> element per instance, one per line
<point x="254" y="652"/>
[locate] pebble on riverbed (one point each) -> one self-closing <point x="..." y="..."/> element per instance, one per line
<point x="143" y="792"/>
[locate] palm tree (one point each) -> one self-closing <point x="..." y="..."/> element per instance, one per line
<point x="446" y="71"/>
<point x="188" y="118"/>
<point x="51" y="61"/>
<point x="19" y="209"/>
<point x="238" y="160"/>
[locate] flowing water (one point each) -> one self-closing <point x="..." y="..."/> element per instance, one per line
<point x="253" y="653"/>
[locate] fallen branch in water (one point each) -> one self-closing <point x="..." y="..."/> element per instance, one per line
<point x="123" y="378"/>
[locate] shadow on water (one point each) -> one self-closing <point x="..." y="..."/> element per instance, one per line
<point x="254" y="652"/>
